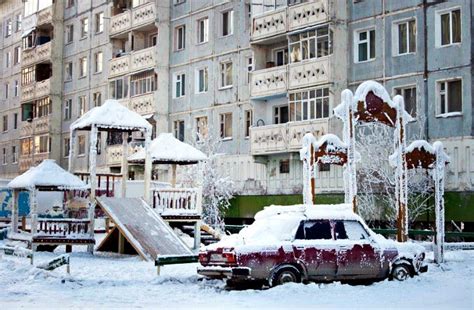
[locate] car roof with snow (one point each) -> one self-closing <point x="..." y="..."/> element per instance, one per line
<point x="322" y="212"/>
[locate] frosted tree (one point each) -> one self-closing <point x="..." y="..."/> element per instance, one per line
<point x="217" y="189"/>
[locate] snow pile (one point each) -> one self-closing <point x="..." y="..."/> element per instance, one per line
<point x="111" y="114"/>
<point x="166" y="148"/>
<point x="50" y="174"/>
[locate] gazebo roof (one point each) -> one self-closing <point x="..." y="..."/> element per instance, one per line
<point x="47" y="176"/>
<point x="166" y="149"/>
<point x="111" y="115"/>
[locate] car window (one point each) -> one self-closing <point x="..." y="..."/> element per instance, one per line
<point x="311" y="230"/>
<point x="351" y="230"/>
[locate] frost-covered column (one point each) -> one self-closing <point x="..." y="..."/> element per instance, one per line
<point x="148" y="163"/>
<point x="401" y="170"/>
<point x="14" y="223"/>
<point x="438" y="176"/>
<point x="92" y="180"/>
<point x="307" y="156"/>
<point x="124" y="163"/>
<point x="34" y="211"/>
<point x="72" y="150"/>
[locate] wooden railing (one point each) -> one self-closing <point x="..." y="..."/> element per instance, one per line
<point x="175" y="201"/>
<point x="63" y="227"/>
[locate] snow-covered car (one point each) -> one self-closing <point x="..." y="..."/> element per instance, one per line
<point x="309" y="243"/>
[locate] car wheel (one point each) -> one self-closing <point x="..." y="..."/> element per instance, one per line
<point x="286" y="275"/>
<point x="401" y="272"/>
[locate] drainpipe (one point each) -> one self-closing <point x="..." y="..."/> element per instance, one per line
<point x="425" y="72"/>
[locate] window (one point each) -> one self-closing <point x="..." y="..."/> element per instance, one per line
<point x="68" y="71"/>
<point x="18" y="22"/>
<point x="43" y="107"/>
<point x="364" y="45"/>
<point x="99" y="22"/>
<point x="5" y="123"/>
<point x="8" y="59"/>
<point x="226" y="74"/>
<point x="16" y="55"/>
<point x="14" y="154"/>
<point x="179" y="85"/>
<point x="311" y="44"/>
<point x="248" y="122"/>
<point x="82" y="105"/>
<point x="449" y="96"/>
<point x="322" y="167"/>
<point x="82" y="67"/>
<point x="26" y="146"/>
<point x="15" y="121"/>
<point x="227" y="23"/>
<point x="16" y="89"/>
<point x="405" y="37"/>
<point x="280" y="114"/>
<point x="350" y="230"/>
<point x="66" y="146"/>
<point x="67" y="109"/>
<point x="82" y="145"/>
<point x="69" y="33"/>
<point x="311" y="104"/>
<point x="202" y="81"/>
<point x="179" y="130"/>
<point x="281" y="57"/>
<point x="4" y="156"/>
<point x="203" y="30"/>
<point x="201" y="127"/>
<point x="118" y="88"/>
<point x="97" y="99"/>
<point x="41" y="144"/>
<point x="98" y="62"/>
<point x="409" y="95"/>
<point x="29" y="40"/>
<point x="69" y="3"/>
<point x="152" y="40"/>
<point x="7" y="90"/>
<point x="448" y="25"/>
<point x="27" y="110"/>
<point x="180" y="37"/>
<point x="313" y="230"/>
<point x="84" y="27"/>
<point x="285" y="166"/>
<point x="114" y="138"/>
<point x="249" y="68"/>
<point x="226" y="125"/>
<point x="8" y="28"/>
<point x="28" y="75"/>
<point x="143" y="83"/>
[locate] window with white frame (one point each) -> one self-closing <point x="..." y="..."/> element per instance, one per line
<point x="227" y="23"/>
<point x="311" y="44"/>
<point x="18" y="22"/>
<point x="7" y="90"/>
<point x="309" y="104"/>
<point x="409" y="97"/>
<point x="82" y="105"/>
<point x="118" y="88"/>
<point x="97" y="99"/>
<point x="68" y="71"/>
<point x="14" y="154"/>
<point x="248" y="122"/>
<point x="405" y="37"/>
<point x="43" y="107"/>
<point x="179" y="85"/>
<point x="201" y="127"/>
<point x="8" y="28"/>
<point x="448" y="27"/>
<point x="143" y="83"/>
<point x="99" y="22"/>
<point x="84" y="27"/>
<point x="226" y="125"/>
<point x="42" y="144"/>
<point x="202" y="80"/>
<point x="67" y="109"/>
<point x="364" y="42"/>
<point x="203" y="30"/>
<point x="179" y="130"/>
<point x="66" y="146"/>
<point x="81" y="141"/>
<point x="226" y="74"/>
<point x="69" y="33"/>
<point x="280" y="114"/>
<point x="180" y="37"/>
<point x="98" y="62"/>
<point x="26" y="146"/>
<point x="449" y="96"/>
<point x="16" y="55"/>
<point x="8" y="59"/>
<point x="28" y="75"/>
<point x="82" y="67"/>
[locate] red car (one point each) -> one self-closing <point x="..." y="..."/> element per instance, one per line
<point x="309" y="243"/>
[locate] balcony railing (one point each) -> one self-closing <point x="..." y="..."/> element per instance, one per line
<point x="177" y="201"/>
<point x="119" y="66"/>
<point x="308" y="73"/>
<point x="25" y="162"/>
<point x="45" y="16"/>
<point x="135" y="61"/>
<point x="143" y="104"/>
<point x="278" y="22"/>
<point x="132" y="19"/>
<point x="269" y="81"/>
<point x="114" y="153"/>
<point x="283" y="138"/>
<point x="36" y="90"/>
<point x="36" y="55"/>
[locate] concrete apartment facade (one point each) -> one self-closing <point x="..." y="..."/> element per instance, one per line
<point x="256" y="74"/>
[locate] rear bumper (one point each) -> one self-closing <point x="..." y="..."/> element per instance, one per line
<point x="216" y="272"/>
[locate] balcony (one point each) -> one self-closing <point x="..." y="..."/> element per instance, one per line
<point x="269" y="82"/>
<point x="36" y="126"/>
<point x="308" y="73"/>
<point x="138" y="17"/>
<point x="36" y="55"/>
<point x="25" y="162"/>
<point x="36" y="90"/>
<point x="143" y="104"/>
<point x="284" y="138"/>
<point x="114" y="153"/>
<point x="119" y="66"/>
<point x="45" y="16"/>
<point x="274" y="23"/>
<point x="135" y="61"/>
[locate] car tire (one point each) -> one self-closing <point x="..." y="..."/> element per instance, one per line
<point x="400" y="272"/>
<point x="286" y="275"/>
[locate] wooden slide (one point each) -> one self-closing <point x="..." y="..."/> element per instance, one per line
<point x="148" y="234"/>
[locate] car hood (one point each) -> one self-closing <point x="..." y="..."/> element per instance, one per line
<point x="406" y="249"/>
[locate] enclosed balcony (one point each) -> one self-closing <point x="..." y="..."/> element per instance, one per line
<point x="41" y="53"/>
<point x="36" y="90"/>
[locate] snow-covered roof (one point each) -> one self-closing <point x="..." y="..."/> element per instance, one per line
<point x="167" y="149"/>
<point x="47" y="174"/>
<point x="112" y="114"/>
<point x="341" y="211"/>
<point x="422" y="145"/>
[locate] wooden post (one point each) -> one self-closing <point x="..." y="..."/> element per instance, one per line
<point x="197" y="225"/>
<point x="124" y="163"/>
<point x="147" y="172"/>
<point x="173" y="175"/>
<point x="121" y="243"/>
<point x="93" y="181"/>
<point x="312" y="171"/>
<point x="33" y="212"/>
<point x="401" y="172"/>
<point x="14" y="223"/>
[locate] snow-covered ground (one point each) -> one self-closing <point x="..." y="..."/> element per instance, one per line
<point x="106" y="280"/>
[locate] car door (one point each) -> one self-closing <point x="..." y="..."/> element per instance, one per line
<point x="357" y="257"/>
<point x="314" y="248"/>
